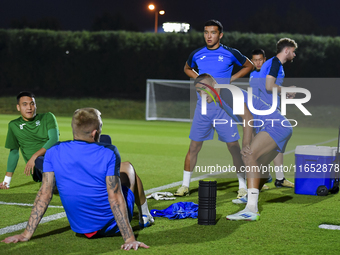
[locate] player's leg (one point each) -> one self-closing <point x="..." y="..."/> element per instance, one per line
<point x="234" y="149"/>
<point x="229" y="134"/>
<point x="263" y="152"/>
<point x="130" y="179"/>
<point x="280" y="181"/>
<point x="201" y="130"/>
<point x="189" y="164"/>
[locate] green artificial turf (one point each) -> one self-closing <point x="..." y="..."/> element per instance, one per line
<point x="288" y="224"/>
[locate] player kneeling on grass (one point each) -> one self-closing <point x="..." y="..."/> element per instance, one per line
<point x="93" y="184"/>
<point x="270" y="138"/>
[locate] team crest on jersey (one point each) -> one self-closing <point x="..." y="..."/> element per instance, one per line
<point x="22" y="125"/>
<point x="37" y="123"/>
<point x="220" y="58"/>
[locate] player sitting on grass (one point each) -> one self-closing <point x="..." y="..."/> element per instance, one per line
<point x="32" y="133"/>
<point x="97" y="190"/>
<point x="271" y="137"/>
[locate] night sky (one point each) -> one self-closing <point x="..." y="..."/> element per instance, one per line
<point x="80" y="14"/>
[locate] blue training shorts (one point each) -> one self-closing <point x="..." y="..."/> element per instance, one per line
<point x="202" y="127"/>
<point x="280" y="134"/>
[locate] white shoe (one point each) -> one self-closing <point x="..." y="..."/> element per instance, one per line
<point x="241" y="192"/>
<point x="241" y="200"/>
<point x="147" y="221"/>
<point x="182" y="191"/>
<point x="245" y="214"/>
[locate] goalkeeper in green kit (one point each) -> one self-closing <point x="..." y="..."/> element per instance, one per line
<point x="33" y="134"/>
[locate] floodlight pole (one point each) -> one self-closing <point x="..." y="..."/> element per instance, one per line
<point x="156" y="21"/>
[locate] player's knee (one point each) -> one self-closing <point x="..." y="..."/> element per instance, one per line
<point x="127" y="168"/>
<point x="195" y="147"/>
<point x="249" y="159"/>
<point x="233" y="147"/>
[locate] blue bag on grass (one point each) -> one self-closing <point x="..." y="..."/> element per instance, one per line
<point x="180" y="210"/>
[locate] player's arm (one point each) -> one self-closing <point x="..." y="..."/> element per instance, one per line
<point x="247" y="131"/>
<point x="247" y="67"/>
<point x="190" y="71"/>
<point x="40" y="205"/>
<point x="119" y="210"/>
<point x="270" y="84"/>
<point x="12" y="161"/>
<point x="53" y="137"/>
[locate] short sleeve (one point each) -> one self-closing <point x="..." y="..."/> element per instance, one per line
<point x="11" y="140"/>
<point x="47" y="165"/>
<point x="51" y="121"/>
<point x="275" y="68"/>
<point x="114" y="163"/>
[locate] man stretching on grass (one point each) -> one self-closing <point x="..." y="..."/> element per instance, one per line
<point x="97" y="190"/>
<point x="271" y="137"/>
<point x="32" y="133"/>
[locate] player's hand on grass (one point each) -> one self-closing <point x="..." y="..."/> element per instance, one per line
<point x="134" y="245"/>
<point x="3" y="185"/>
<point x="30" y="166"/>
<point x="15" y="239"/>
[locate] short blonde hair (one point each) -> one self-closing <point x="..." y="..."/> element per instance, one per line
<point x="285" y="42"/>
<point x="205" y="76"/>
<point x="85" y="120"/>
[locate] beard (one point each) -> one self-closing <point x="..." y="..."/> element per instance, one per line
<point x="96" y="137"/>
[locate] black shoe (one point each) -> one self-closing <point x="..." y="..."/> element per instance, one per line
<point x="283" y="183"/>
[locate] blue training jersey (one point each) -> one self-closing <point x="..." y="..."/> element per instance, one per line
<point x="254" y="82"/>
<point x="274" y="68"/>
<point x="80" y="170"/>
<point x="218" y="63"/>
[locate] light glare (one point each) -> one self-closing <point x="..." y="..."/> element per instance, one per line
<point x="176" y="27"/>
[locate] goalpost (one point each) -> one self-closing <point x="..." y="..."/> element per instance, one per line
<point x="169" y="100"/>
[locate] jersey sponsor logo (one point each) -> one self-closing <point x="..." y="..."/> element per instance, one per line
<point x="202" y="57"/>
<point x="22" y="125"/>
<point x="220" y="58"/>
<point x="37" y="123"/>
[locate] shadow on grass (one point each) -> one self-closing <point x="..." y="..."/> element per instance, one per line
<point x="24" y="184"/>
<point x="26" y="198"/>
<point x="53" y="232"/>
<point x="288" y="196"/>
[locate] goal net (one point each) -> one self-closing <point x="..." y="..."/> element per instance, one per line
<point x="169" y="100"/>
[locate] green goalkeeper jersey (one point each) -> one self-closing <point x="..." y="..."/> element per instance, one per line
<point x="31" y="136"/>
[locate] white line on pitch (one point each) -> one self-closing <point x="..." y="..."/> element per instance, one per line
<point x="21" y="204"/>
<point x="326" y="226"/>
<point x="21" y="226"/>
